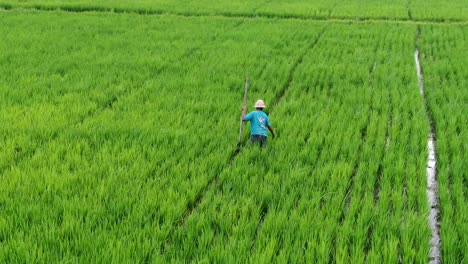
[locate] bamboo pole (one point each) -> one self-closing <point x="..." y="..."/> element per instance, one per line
<point x="245" y="103"/>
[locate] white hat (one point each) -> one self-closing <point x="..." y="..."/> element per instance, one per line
<point x="259" y="104"/>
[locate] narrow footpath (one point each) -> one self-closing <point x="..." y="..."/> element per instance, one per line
<point x="432" y="188"/>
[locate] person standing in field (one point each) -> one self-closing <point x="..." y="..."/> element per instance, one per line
<point x="259" y="122"/>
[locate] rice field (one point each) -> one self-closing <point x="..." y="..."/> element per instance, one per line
<point x="119" y="126"/>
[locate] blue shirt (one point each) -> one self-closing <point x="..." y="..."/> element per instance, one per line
<point x="258" y="122"/>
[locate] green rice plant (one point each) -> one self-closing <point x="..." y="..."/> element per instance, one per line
<point x="315" y="181"/>
<point x="297" y="8"/>
<point x="438" y="11"/>
<point x="361" y="9"/>
<point x="446" y="10"/>
<point x="118" y="134"/>
<point x="135" y="163"/>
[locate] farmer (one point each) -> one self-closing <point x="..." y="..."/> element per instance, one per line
<point x="259" y="122"/>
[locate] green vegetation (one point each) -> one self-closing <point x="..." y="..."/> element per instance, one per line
<point x="432" y="10"/>
<point x="436" y="10"/>
<point x="146" y="150"/>
<point x="331" y="197"/>
<point x="444" y="57"/>
<point x="118" y="132"/>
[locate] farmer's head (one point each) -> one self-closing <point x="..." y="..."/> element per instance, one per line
<point x="259" y="105"/>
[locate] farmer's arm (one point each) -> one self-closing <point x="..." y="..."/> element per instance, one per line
<point x="244" y="109"/>
<point x="271" y="130"/>
<point x="268" y="124"/>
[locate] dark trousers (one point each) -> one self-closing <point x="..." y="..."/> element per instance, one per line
<point x="258" y="138"/>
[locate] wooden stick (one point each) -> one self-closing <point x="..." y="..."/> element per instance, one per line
<point x="245" y="103"/>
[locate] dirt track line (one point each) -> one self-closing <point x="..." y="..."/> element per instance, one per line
<point x="335" y="19"/>
<point x="408" y="9"/>
<point x="378" y="181"/>
<point x="283" y="91"/>
<point x="192" y="206"/>
<point x="276" y="101"/>
<point x="44" y="142"/>
<point x="363" y="132"/>
<point x="431" y="172"/>
<point x="350" y="187"/>
<point x="263" y="212"/>
<point x="108" y="104"/>
<point x="212" y="183"/>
